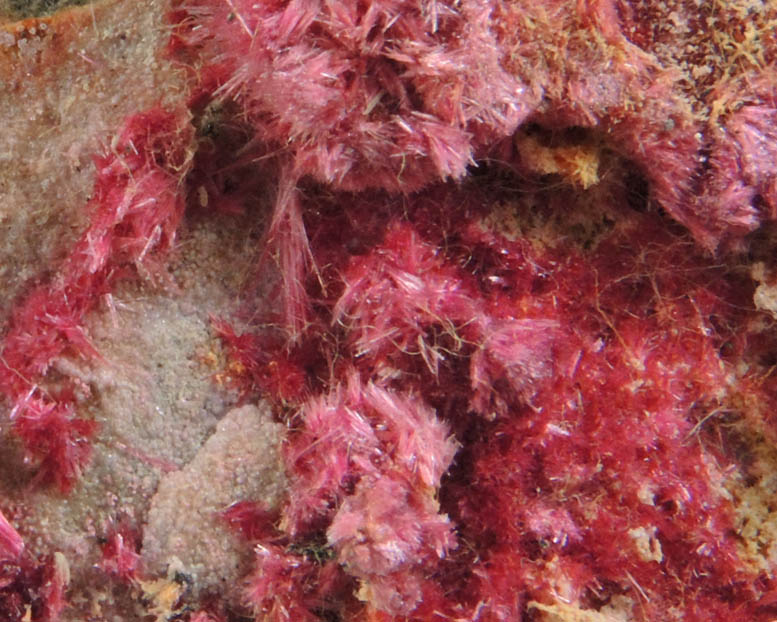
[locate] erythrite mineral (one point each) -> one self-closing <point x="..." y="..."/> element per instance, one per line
<point x="512" y="303"/>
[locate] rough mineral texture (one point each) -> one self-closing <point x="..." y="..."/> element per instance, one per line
<point x="400" y="310"/>
<point x="239" y="461"/>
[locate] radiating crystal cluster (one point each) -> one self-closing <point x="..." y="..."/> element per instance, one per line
<point x="517" y="382"/>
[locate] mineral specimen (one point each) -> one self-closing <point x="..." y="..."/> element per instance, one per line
<point x="504" y="305"/>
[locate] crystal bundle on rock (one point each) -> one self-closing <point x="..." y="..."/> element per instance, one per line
<point x="136" y="209"/>
<point x="581" y="386"/>
<point x="503" y="303"/>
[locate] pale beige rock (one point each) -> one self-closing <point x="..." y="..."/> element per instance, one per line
<point x="239" y="462"/>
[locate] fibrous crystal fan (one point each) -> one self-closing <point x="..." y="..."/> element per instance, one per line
<point x="513" y="305"/>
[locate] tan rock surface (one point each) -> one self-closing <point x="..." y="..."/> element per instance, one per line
<point x="240" y="461"/>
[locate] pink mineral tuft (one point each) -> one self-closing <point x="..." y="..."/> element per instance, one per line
<point x="275" y="590"/>
<point x="514" y="355"/>
<point x="359" y="432"/>
<point x="385" y="526"/>
<point x="379" y="96"/>
<point x="11" y="543"/>
<point x="121" y="551"/>
<point x="251" y="519"/>
<point x="136" y="208"/>
<point x="753" y="128"/>
<point x="383" y="533"/>
<point x="417" y="441"/>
